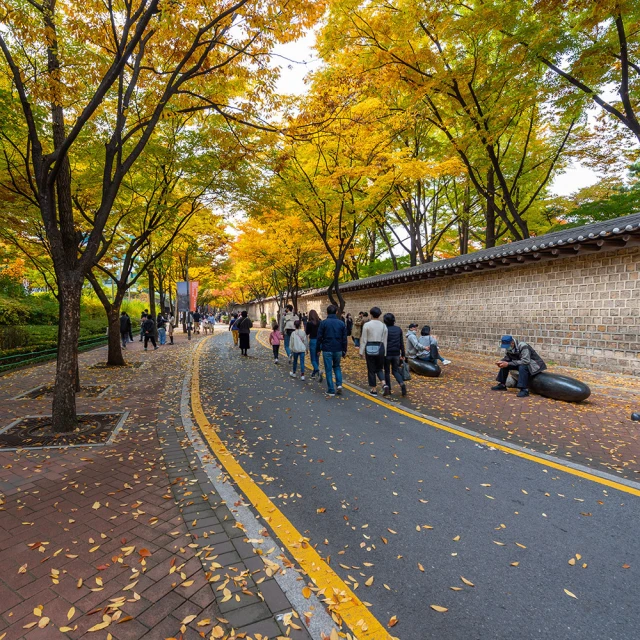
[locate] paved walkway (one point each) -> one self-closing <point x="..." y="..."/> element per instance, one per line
<point x="131" y="540"/>
<point x="597" y="432"/>
<point x="443" y="536"/>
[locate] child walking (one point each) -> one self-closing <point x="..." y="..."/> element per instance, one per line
<point x="298" y="347"/>
<point x="275" y="339"/>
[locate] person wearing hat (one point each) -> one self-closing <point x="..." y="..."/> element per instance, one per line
<point x="520" y="357"/>
<point x="414" y="348"/>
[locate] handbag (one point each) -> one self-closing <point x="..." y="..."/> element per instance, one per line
<point x="406" y="371"/>
<point x="374" y="348"/>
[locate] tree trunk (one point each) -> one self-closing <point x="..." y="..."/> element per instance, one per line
<point x="115" y="358"/>
<point x="152" y="300"/>
<point x="64" y="393"/>
<point x="490" y="234"/>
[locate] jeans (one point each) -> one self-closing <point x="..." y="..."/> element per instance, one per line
<point x="356" y="341"/>
<point x="162" y="335"/>
<point x="298" y="355"/>
<point x="392" y="365"/>
<point x="332" y="366"/>
<point x="523" y="375"/>
<point x="124" y="335"/>
<point x="314" y="356"/>
<point x="375" y="368"/>
<point x="276" y="348"/>
<point x="287" y="341"/>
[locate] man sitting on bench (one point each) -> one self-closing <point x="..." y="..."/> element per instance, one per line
<point x="520" y="357"/>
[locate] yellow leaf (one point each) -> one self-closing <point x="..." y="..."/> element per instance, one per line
<point x="188" y="583"/>
<point x="369" y="582"/>
<point x="572" y="561"/>
<point x="438" y="608"/>
<point x="23" y="568"/>
<point x="96" y="505"/>
<point x="189" y="619"/>
<point x="456" y="539"/>
<point x="44" y="621"/>
<point x="306" y="592"/>
<point x="420" y="567"/>
<point x="393" y="621"/>
<point x="456" y="588"/>
<point x="71" y="613"/>
<point x="467" y="582"/>
<point x="571" y="595"/>
<point x="218" y="632"/>
<point x="99" y="626"/>
<point x="515" y="564"/>
<point x="204" y="623"/>
<point x="62" y="630"/>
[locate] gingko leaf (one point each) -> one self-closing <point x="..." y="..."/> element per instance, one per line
<point x="571" y="595"/>
<point x="467" y="582"/>
<point x="306" y="592"/>
<point x="71" y="613"/>
<point x="189" y="619"/>
<point x="438" y="608"/>
<point x="456" y="539"/>
<point x="23" y="568"/>
<point x="96" y="505"/>
<point x="217" y="632"/>
<point x="43" y="622"/>
<point x="369" y="582"/>
<point x="393" y="621"/>
<point x="420" y="567"/>
<point x="99" y="626"/>
<point x="188" y="583"/>
<point x="515" y="564"/>
<point x="456" y="588"/>
<point x="500" y="544"/>
<point x="572" y="561"/>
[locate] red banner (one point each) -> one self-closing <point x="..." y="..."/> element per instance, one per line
<point x="193" y="294"/>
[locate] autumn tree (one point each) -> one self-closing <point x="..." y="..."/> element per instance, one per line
<point x="141" y="59"/>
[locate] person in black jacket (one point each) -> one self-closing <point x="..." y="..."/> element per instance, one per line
<point x="149" y="328"/>
<point x="125" y="328"/>
<point x="394" y="356"/>
<point x="332" y="341"/>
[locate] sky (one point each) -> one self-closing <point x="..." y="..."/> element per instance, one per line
<point x="298" y="58"/>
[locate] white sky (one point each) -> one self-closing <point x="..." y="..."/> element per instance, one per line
<point x="298" y="58"/>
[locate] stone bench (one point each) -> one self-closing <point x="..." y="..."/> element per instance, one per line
<point x="555" y="386"/>
<point x="422" y="368"/>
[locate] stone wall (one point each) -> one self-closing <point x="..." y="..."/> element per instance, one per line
<point x="580" y="311"/>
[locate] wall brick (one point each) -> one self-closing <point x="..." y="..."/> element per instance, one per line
<point x="581" y="311"/>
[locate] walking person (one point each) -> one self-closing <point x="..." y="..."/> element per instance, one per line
<point x="162" y="331"/>
<point x="289" y="328"/>
<point x="373" y="347"/>
<point x="298" y="346"/>
<point x="143" y="317"/>
<point x="313" y="324"/>
<point x="275" y="340"/>
<point x="232" y="328"/>
<point x="149" y="328"/>
<point x="332" y="342"/>
<point x="170" y="328"/>
<point x="244" y="325"/>
<point x="125" y="328"/>
<point x="394" y="356"/>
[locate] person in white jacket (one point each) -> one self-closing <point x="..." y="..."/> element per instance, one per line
<point x="373" y="346"/>
<point x="298" y="346"/>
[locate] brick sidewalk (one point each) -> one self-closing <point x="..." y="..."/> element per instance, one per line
<point x="597" y="432"/>
<point x="130" y="540"/>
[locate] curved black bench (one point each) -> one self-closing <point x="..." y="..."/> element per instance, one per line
<point x="422" y="368"/>
<point x="559" y="387"/>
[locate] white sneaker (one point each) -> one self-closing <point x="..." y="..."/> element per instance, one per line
<point x="301" y="377"/>
<point x="275" y="361"/>
<point x="293" y="375"/>
<point x="445" y="361"/>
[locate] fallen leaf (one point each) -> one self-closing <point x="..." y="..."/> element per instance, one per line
<point x="467" y="582"/>
<point x="393" y="621"/>
<point x="306" y="592"/>
<point x="71" y="613"/>
<point x="571" y="595"/>
<point x="420" y="567"/>
<point x="438" y="608"/>
<point x="369" y="582"/>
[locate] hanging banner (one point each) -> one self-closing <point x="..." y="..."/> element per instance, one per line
<point x="193" y="294"/>
<point x="183" y="296"/>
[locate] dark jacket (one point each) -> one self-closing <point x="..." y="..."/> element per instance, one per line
<point x="395" y="341"/>
<point x="149" y="326"/>
<point x="125" y="324"/>
<point x="243" y="325"/>
<point x="162" y="321"/>
<point x="525" y="354"/>
<point x="311" y="329"/>
<point x="332" y="335"/>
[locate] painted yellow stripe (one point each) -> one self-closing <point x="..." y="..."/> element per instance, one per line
<point x="332" y="589"/>
<point x="479" y="439"/>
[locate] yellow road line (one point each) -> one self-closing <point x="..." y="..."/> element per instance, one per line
<point x="479" y="439"/>
<point x="332" y="589"/>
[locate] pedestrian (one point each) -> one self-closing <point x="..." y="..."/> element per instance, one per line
<point x="143" y="317"/>
<point x="275" y="339"/>
<point x="520" y="357"/>
<point x="356" y="331"/>
<point x="395" y="354"/>
<point x="162" y="331"/>
<point x="197" y="316"/>
<point x="373" y="347"/>
<point x="232" y="328"/>
<point x="349" y="323"/>
<point x="125" y="328"/>
<point x="298" y="346"/>
<point x="170" y="328"/>
<point x="313" y="323"/>
<point x="149" y="328"/>
<point x="429" y="343"/>
<point x="289" y="328"/>
<point x="244" y="325"/>
<point x="332" y="342"/>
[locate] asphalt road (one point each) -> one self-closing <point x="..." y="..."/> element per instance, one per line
<point x="364" y="483"/>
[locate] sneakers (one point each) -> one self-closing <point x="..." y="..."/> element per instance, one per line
<point x="145" y="348"/>
<point x="319" y="376"/>
<point x="385" y="390"/>
<point x="155" y="348"/>
<point x="293" y="375"/>
<point x="373" y="392"/>
<point x="339" y="390"/>
<point x="275" y="361"/>
<point x="328" y="394"/>
<point x="403" y="388"/>
<point x="523" y="393"/>
<point x="499" y="387"/>
<point x="445" y="361"/>
<point x="302" y="378"/>
<point x="290" y="359"/>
